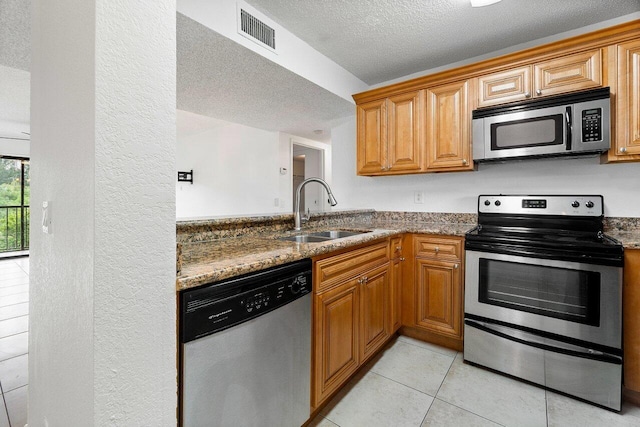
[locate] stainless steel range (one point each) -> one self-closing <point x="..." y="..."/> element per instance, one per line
<point x="543" y="295"/>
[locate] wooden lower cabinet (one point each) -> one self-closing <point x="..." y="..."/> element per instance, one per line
<point x="350" y="315"/>
<point x="336" y="327"/>
<point x="631" y="324"/>
<point x="374" y="311"/>
<point x="432" y="303"/>
<point x="437" y="293"/>
<point x="395" y="277"/>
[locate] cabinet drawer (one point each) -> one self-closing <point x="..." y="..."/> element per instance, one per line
<point x="336" y="269"/>
<point x="438" y="247"/>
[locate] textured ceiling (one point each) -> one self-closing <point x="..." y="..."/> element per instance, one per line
<point x="380" y="40"/>
<point x="219" y="78"/>
<point x="15" y="33"/>
<point x="377" y="40"/>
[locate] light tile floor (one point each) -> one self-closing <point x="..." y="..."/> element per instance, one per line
<point x="416" y="384"/>
<point x="14" y="338"/>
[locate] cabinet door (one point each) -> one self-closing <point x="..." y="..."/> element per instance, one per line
<point x="438" y="296"/>
<point x="631" y="320"/>
<point x="404" y="150"/>
<point x="374" y="308"/>
<point x="336" y="338"/>
<point x="627" y="141"/>
<point x="568" y="73"/>
<point x="395" y="288"/>
<point x="372" y="137"/>
<point x="447" y="128"/>
<point x="505" y="86"/>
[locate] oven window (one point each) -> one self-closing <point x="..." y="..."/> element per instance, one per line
<point x="572" y="295"/>
<point x="533" y="132"/>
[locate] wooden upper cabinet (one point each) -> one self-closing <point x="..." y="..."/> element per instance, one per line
<point x="626" y="145"/>
<point x="389" y="135"/>
<point x="568" y="73"/>
<point x="404" y="149"/>
<point x="559" y="75"/>
<point x="448" y="128"/>
<point x="505" y="86"/>
<point x="372" y="137"/>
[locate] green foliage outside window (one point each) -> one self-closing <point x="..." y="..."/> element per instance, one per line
<point x="12" y="236"/>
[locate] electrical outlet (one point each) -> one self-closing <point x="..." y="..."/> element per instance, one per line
<point x="418" y="197"/>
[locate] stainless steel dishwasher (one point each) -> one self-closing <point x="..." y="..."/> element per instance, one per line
<point x="245" y="350"/>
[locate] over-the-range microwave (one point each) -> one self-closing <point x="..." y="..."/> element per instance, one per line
<point x="572" y="124"/>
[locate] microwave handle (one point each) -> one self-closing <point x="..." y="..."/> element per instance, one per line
<point x="569" y="127"/>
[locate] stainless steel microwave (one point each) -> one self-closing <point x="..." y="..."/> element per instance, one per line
<point x="564" y="125"/>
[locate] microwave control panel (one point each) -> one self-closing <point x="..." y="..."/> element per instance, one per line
<point x="592" y="125"/>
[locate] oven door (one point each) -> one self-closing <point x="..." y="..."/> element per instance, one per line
<point x="580" y="301"/>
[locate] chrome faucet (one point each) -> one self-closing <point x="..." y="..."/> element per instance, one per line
<point x="296" y="209"/>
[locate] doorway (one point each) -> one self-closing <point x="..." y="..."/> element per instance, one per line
<point x="308" y="162"/>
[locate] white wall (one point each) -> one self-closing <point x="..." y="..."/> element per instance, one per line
<point x="458" y="191"/>
<point x="236" y="170"/>
<point x="102" y="333"/>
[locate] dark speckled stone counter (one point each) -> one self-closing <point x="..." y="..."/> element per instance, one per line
<point x="209" y="261"/>
<point x="217" y="249"/>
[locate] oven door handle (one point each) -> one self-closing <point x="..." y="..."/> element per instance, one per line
<point x="543" y="343"/>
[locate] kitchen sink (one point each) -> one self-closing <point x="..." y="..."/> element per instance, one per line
<point x="304" y="238"/>
<point x="322" y="236"/>
<point x="337" y="234"/>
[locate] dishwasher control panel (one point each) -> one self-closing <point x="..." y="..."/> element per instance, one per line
<point x="221" y="305"/>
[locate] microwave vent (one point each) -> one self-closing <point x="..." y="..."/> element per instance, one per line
<point x="256" y="30"/>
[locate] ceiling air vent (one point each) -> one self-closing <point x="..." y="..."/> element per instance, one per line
<point x="256" y="30"/>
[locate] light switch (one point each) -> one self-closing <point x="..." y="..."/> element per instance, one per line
<point x="46" y="217"/>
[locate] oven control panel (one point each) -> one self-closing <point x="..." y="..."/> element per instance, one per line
<point x="542" y="205"/>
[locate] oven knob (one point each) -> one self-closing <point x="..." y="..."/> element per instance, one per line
<point x="497" y="203"/>
<point x="487" y="202"/>
<point x="589" y="204"/>
<point x="575" y="204"/>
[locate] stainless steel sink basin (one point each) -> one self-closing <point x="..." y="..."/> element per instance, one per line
<point x="304" y="238"/>
<point x="337" y="234"/>
<point x="322" y="236"/>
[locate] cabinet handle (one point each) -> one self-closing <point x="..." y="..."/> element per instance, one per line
<point x="437" y="249"/>
<point x="384" y="168"/>
<point x="538" y="92"/>
<point x="623" y="149"/>
<point x="464" y="161"/>
<point x="527" y="94"/>
<point x="456" y="266"/>
<point x="402" y="258"/>
<point x="398" y="248"/>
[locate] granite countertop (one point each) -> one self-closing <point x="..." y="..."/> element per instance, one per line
<point x="629" y="239"/>
<point x="210" y="261"/>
